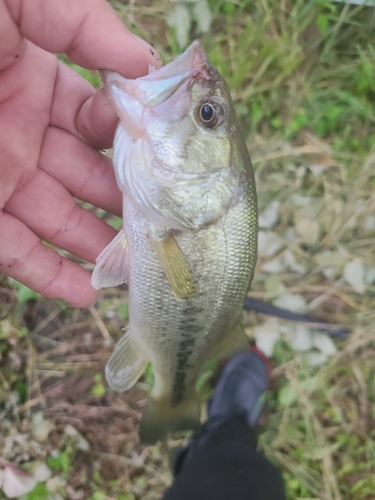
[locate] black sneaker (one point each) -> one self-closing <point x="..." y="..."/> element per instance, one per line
<point x="240" y="390"/>
<point x="239" y="393"/>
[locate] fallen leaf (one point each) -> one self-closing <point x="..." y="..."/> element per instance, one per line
<point x="329" y="258"/>
<point x="308" y="230"/>
<point x="55" y="483"/>
<point x="316" y="358"/>
<point x="291" y="262"/>
<point x="301" y="340"/>
<point x="268" y="243"/>
<point x="290" y="236"/>
<point x="354" y="274"/>
<point x="17" y="482"/>
<point x="294" y="303"/>
<point x="369" y="223"/>
<point x="274" y="266"/>
<point x="331" y="263"/>
<point x="269" y="216"/>
<point x="287" y="395"/>
<point x="180" y="20"/>
<point x="41" y="427"/>
<point x="274" y="287"/>
<point x="39" y="470"/>
<point x="317" y="169"/>
<point x="324" y="344"/>
<point x="81" y="442"/>
<point x="301" y="200"/>
<point x="369" y="275"/>
<point x="266" y="336"/>
<point x="202" y="15"/>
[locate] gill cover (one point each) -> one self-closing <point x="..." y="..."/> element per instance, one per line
<point x="166" y="194"/>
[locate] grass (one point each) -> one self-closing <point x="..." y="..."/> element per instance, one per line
<point x="302" y="75"/>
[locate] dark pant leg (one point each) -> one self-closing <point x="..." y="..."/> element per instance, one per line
<point x="227" y="467"/>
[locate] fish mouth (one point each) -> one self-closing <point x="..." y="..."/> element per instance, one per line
<point x="189" y="61"/>
<point x="159" y="85"/>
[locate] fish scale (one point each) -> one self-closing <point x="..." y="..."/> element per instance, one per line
<point x="189" y="237"/>
<point x="222" y="286"/>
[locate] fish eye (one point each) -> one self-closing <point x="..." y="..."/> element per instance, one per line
<point x="207" y="112"/>
<point x="209" y="115"/>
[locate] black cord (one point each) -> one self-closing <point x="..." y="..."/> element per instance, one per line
<point x="258" y="305"/>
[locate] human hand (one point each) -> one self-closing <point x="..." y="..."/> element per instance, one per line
<point x="52" y="123"/>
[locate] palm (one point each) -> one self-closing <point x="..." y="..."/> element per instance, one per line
<point x="52" y="124"/>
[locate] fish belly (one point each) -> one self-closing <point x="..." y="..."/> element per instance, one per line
<point x="179" y="335"/>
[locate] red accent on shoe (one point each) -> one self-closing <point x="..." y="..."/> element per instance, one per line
<point x="253" y="349"/>
<point x="264" y="358"/>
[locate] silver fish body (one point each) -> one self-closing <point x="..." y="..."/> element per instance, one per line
<point x="190" y="203"/>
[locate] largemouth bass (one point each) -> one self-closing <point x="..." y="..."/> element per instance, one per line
<point x="189" y="239"/>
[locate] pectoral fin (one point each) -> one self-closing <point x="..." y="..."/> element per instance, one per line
<point x="176" y="268"/>
<point x="112" y="265"/>
<point x="232" y="343"/>
<point x="126" y="364"/>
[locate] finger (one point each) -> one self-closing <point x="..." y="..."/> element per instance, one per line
<point x="87" y="174"/>
<point x="97" y="121"/>
<point x="88" y="31"/>
<point x="25" y="99"/>
<point x="26" y="259"/>
<point x="81" y="111"/>
<point x="14" y="47"/>
<point x="48" y="209"/>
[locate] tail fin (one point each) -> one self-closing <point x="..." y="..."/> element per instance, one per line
<point x="159" y="419"/>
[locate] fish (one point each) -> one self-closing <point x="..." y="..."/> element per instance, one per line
<point x="188" y="245"/>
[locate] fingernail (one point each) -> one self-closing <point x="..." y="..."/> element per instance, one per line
<point x="155" y="54"/>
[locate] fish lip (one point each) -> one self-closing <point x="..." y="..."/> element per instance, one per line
<point x="190" y="60"/>
<point x="188" y="65"/>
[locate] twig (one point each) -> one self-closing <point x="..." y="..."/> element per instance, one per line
<point x="46" y="320"/>
<point x="100" y="324"/>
